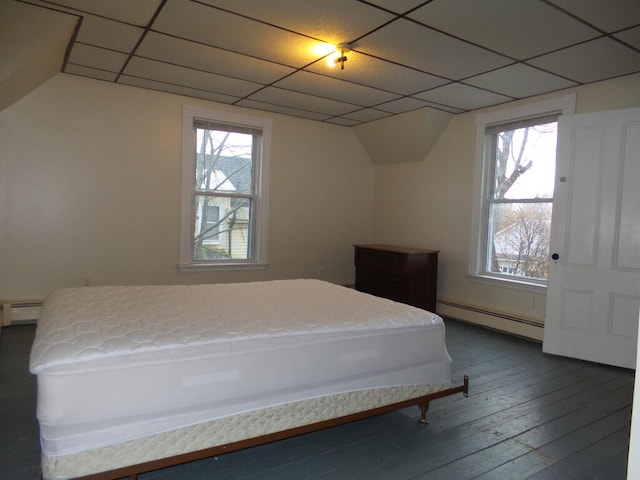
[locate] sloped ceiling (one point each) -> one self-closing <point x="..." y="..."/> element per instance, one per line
<point x="403" y="138"/>
<point x="33" y="43"/>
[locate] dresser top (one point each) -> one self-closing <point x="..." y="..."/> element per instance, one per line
<point x="395" y="248"/>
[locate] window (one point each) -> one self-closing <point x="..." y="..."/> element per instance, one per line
<point x="224" y="167"/>
<point x="208" y="230"/>
<point x="517" y="154"/>
<point x="519" y="206"/>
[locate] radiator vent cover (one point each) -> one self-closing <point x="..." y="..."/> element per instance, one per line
<point x="21" y="311"/>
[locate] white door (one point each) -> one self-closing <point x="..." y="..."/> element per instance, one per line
<point x="633" y="462"/>
<point x="593" y="290"/>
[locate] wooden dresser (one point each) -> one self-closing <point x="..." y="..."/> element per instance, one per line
<point x="407" y="275"/>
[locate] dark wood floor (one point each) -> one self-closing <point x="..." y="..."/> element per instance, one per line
<point x="528" y="416"/>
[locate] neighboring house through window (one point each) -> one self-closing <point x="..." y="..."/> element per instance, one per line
<point x="224" y="198"/>
<point x="208" y="222"/>
<point x="514" y="192"/>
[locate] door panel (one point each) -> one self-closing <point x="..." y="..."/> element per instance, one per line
<point x="628" y="247"/>
<point x="576" y="310"/>
<point x="583" y="221"/>
<point x="593" y="291"/>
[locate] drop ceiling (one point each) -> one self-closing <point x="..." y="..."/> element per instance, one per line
<point x="451" y="55"/>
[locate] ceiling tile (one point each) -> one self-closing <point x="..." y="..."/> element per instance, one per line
<point x="333" y="21"/>
<point x="96" y="57"/>
<point x="444" y="108"/>
<point x="287" y="98"/>
<point x="461" y="96"/>
<point x="419" y="47"/>
<point x="139" y="12"/>
<point x="105" y="33"/>
<point x="210" y="59"/>
<point x="177" y="89"/>
<point x="630" y="36"/>
<point x="100" y="31"/>
<point x="519" y="81"/>
<point x="610" y="15"/>
<point x="377" y="73"/>
<point x="367" y="115"/>
<point x="335" y="89"/>
<point x="346" y="122"/>
<point x="91" y="72"/>
<point x="217" y="28"/>
<point x="402" y="105"/>
<point x="591" y="61"/>
<point x="397" y="6"/>
<point x="280" y="109"/>
<point x="185" y="77"/>
<point x="511" y="27"/>
<point x="408" y="104"/>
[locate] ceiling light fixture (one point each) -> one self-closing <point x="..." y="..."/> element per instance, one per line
<point x="339" y="57"/>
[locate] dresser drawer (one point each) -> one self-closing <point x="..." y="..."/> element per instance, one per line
<point x="382" y="283"/>
<point x="386" y="260"/>
<point x="397" y="295"/>
<point x="381" y="278"/>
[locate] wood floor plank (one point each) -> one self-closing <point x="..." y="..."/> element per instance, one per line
<point x="19" y="441"/>
<point x="511" y="402"/>
<point x="587" y="463"/>
<point x="542" y="456"/>
<point x="541" y="446"/>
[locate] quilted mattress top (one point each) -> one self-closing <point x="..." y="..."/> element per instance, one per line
<point x="80" y="325"/>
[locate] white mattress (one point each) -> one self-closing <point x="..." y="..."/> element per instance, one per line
<point x="121" y="363"/>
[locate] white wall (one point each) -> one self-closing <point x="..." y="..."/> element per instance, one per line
<point x="89" y="192"/>
<point x="429" y="203"/>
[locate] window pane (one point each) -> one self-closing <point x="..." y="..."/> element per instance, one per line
<point x="222" y="228"/>
<point x="224" y="161"/>
<point x="525" y="162"/>
<point x="519" y="239"/>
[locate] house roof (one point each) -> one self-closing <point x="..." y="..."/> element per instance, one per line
<point x="449" y="55"/>
<point x="232" y="173"/>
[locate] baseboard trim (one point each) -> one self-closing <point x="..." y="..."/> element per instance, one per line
<point x="495" y="320"/>
<point x="14" y="312"/>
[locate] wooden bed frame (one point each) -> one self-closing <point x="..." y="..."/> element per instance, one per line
<point x="132" y="471"/>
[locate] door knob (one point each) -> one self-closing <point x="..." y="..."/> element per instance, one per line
<point x="555" y="256"/>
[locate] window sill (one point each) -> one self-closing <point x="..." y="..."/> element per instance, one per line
<point x="199" y="267"/>
<point x="509" y="283"/>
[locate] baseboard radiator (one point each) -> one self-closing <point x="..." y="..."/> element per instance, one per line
<point x="505" y="322"/>
<point x="20" y="311"/>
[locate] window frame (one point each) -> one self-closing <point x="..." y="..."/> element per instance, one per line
<point x="483" y="184"/>
<point x="259" y="194"/>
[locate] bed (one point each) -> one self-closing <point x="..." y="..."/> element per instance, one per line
<point x="134" y="378"/>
